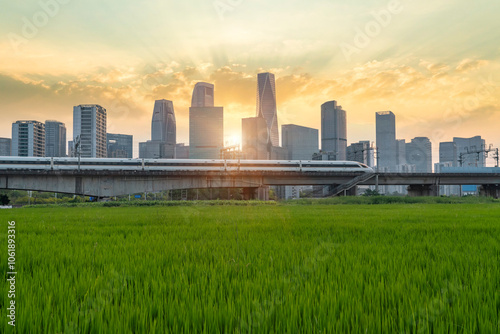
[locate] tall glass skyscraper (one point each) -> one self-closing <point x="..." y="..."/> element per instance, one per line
<point x="300" y="141"/>
<point x="163" y="133"/>
<point x="255" y="138"/>
<point x="465" y="151"/>
<point x="163" y="127"/>
<point x="334" y="130"/>
<point x="266" y="105"/>
<point x="206" y="124"/>
<point x="387" y="156"/>
<point x="419" y="153"/>
<point x="203" y="95"/>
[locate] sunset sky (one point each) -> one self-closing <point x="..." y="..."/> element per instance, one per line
<point x="435" y="64"/>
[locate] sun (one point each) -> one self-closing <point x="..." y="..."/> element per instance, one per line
<point x="233" y="140"/>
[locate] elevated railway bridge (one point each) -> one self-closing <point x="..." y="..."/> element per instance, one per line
<point x="109" y="183"/>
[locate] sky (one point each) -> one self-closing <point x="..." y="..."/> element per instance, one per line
<point x="435" y="64"/>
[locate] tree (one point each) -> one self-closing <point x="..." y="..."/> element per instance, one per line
<point x="4" y="200"/>
<point x="370" y="192"/>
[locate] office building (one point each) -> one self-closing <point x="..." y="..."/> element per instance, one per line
<point x="181" y="151"/>
<point x="55" y="139"/>
<point x="71" y="149"/>
<point x="470" y="151"/>
<point x="387" y="152"/>
<point x="441" y="167"/>
<point x="401" y="151"/>
<point x="163" y="125"/>
<point x="334" y="130"/>
<point x="203" y="95"/>
<point x="278" y="153"/>
<point x="255" y="144"/>
<point x="120" y="146"/>
<point x="419" y="153"/>
<point x="448" y="153"/>
<point x="163" y="133"/>
<point x="361" y="152"/>
<point x="206" y="124"/>
<point x="300" y="142"/>
<point x="5" y="147"/>
<point x="266" y="105"/>
<point x="28" y="139"/>
<point x="89" y="131"/>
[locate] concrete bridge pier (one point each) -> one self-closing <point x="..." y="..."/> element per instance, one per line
<point x="260" y="193"/>
<point x="490" y="190"/>
<point x="351" y="192"/>
<point x="420" y="190"/>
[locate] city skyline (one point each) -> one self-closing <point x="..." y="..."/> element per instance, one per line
<point x="440" y="83"/>
<point x="203" y="95"/>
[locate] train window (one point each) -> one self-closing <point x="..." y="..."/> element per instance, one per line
<point x="267" y="165"/>
<point x="161" y="164"/>
<point x="25" y="162"/>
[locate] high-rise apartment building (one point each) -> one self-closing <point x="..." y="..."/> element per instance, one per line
<point x="89" y="130"/>
<point x="255" y="144"/>
<point x="55" y="139"/>
<point x="334" y="130"/>
<point x="5" y="147"/>
<point x="301" y="142"/>
<point x="206" y="124"/>
<point x="470" y="151"/>
<point x="28" y="139"/>
<point x="266" y="105"/>
<point x="120" y="146"/>
<point x="163" y="133"/>
<point x="387" y="153"/>
<point x="419" y="153"/>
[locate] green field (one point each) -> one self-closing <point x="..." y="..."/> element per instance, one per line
<point x="392" y="268"/>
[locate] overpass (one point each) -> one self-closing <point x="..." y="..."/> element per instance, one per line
<point x="109" y="183"/>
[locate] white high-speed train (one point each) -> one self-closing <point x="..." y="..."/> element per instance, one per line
<point x="23" y="163"/>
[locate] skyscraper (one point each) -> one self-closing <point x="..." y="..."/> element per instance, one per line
<point x="334" y="130"/>
<point x="448" y="153"/>
<point x="203" y="95"/>
<point x="28" y="139"/>
<point x="206" y="124"/>
<point x="89" y="125"/>
<point x="120" y="146"/>
<point x="386" y="140"/>
<point x="5" y="147"/>
<point x="300" y="141"/>
<point x="266" y="105"/>
<point x="163" y="127"/>
<point x="419" y="153"/>
<point x="255" y="144"/>
<point x="469" y="151"/>
<point x="163" y="133"/>
<point x="55" y="139"/>
<point x="400" y="152"/>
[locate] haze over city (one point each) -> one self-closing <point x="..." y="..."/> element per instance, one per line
<point x="434" y="64"/>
